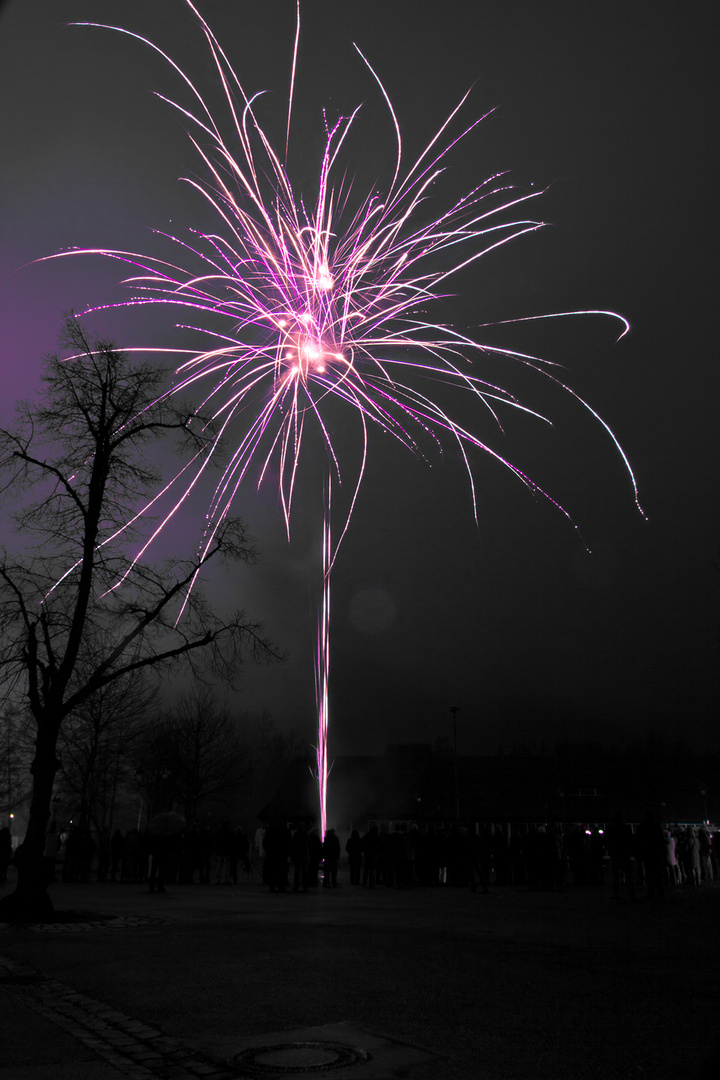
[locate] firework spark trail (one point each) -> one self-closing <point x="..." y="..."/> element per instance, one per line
<point x="323" y="308"/>
<point x="322" y="662"/>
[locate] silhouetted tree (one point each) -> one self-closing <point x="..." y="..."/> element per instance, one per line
<point x="194" y="753"/>
<point x="266" y="746"/>
<point x="15" y="756"/>
<point x="97" y="746"/>
<point x="78" y="466"/>
<point x="268" y="751"/>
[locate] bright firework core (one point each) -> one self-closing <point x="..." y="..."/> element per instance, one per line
<point x="304" y="351"/>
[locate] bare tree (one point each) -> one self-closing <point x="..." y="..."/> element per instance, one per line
<point x="97" y="745"/>
<point x="268" y="750"/>
<point x="267" y="746"/>
<point x="77" y="465"/>
<point x="195" y="754"/>
<point x="15" y="756"/>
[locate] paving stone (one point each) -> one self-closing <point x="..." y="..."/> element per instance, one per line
<point x="165" y="1044"/>
<point x="142" y="1031"/>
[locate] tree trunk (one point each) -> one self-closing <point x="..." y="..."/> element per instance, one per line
<point x="30" y="901"/>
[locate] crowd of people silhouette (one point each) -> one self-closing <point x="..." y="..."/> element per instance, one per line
<point x="284" y="856"/>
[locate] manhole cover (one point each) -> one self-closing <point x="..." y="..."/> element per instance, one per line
<point x="299" y="1057"/>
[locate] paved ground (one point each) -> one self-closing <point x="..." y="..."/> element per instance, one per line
<point x="220" y="982"/>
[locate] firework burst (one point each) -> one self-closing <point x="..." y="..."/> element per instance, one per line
<point x="309" y="306"/>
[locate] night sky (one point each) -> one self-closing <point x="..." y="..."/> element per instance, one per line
<point x="614" y="106"/>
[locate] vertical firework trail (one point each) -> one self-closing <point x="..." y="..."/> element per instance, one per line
<point x="312" y="313"/>
<point x="322" y="661"/>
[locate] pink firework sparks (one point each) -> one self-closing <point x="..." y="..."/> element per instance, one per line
<point x="310" y="307"/>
